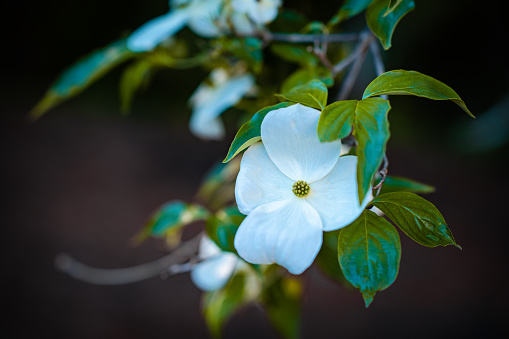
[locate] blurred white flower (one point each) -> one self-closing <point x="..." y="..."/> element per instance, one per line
<point x="292" y="188"/>
<point x="199" y="15"/>
<point x="210" y="100"/>
<point x="247" y="16"/>
<point x="215" y="267"/>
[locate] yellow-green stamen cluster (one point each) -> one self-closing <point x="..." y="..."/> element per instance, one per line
<point x="301" y="188"/>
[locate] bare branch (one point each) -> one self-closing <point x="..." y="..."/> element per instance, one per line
<point x="119" y="276"/>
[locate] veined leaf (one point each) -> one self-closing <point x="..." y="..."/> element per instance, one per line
<point x="249" y="133"/>
<point x="81" y="75"/>
<point x="417" y="217"/>
<point x="392" y="6"/>
<point x="222" y="227"/>
<point x="312" y="94"/>
<point x="168" y="220"/>
<point x="283" y="305"/>
<point x="369" y="252"/>
<point x="401" y="82"/>
<point x="400" y="184"/>
<point x="382" y="18"/>
<point x="349" y="9"/>
<point x="370" y="124"/>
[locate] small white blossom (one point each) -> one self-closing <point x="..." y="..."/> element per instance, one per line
<point x="292" y="188"/>
<point x="215" y="268"/>
<point x="209" y="101"/>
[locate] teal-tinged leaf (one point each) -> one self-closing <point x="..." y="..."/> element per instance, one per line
<point x="295" y="54"/>
<point x="82" y="74"/>
<point x="134" y="78"/>
<point x="370" y="124"/>
<point x="305" y="75"/>
<point x="168" y="221"/>
<point x="369" y="252"/>
<point x="383" y="22"/>
<point x="249" y="133"/>
<point x="222" y="227"/>
<point x="327" y="258"/>
<point x="220" y="305"/>
<point x="401" y="82"/>
<point x="349" y="9"/>
<point x="400" y="184"/>
<point x="417" y="217"/>
<point x="392" y="6"/>
<point x="312" y="94"/>
<point x="282" y="301"/>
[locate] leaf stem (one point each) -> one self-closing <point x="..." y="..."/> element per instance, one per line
<point x="383" y="172"/>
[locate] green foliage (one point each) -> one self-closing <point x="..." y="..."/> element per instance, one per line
<point x="222" y="227"/>
<point x="217" y="188"/>
<point x="248" y="49"/>
<point x="305" y="75"/>
<point x="168" y="221"/>
<point x="417" y="217"/>
<point x="327" y="258"/>
<point x="312" y="94"/>
<point x="401" y="82"/>
<point x="382" y="18"/>
<point x="400" y="184"/>
<point x="349" y="9"/>
<point x="82" y="74"/>
<point x="220" y="305"/>
<point x="281" y="299"/>
<point x="369" y="253"/>
<point x="134" y="78"/>
<point x="295" y="54"/>
<point x="249" y="133"/>
<point x="368" y="119"/>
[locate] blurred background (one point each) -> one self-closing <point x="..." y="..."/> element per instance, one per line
<point x="83" y="179"/>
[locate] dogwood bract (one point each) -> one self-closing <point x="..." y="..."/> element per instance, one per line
<point x="216" y="266"/>
<point x="292" y="188"/>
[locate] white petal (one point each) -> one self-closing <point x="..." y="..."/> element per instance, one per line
<point x="241" y="24"/>
<point x="259" y="181"/>
<point x="213" y="273"/>
<point x="243" y="6"/>
<point x="265" y="11"/>
<point x="288" y="233"/>
<point x="213" y="101"/>
<point x="290" y="137"/>
<point x="335" y="196"/>
<point x="203" y="17"/>
<point x="208" y="248"/>
<point x="155" y="31"/>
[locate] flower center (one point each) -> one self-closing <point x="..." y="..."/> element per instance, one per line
<point x="301" y="188"/>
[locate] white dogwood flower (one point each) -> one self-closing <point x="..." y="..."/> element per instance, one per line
<point x="292" y="188"/>
<point x="210" y="100"/>
<point x="199" y="15"/>
<point x="215" y="268"/>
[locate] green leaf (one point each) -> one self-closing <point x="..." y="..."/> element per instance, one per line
<point x="249" y="133"/>
<point x="382" y="20"/>
<point x="369" y="252"/>
<point x="134" y="78"/>
<point x="81" y="75"/>
<point x="305" y="75"/>
<point x="327" y="258"/>
<point x="401" y="82"/>
<point x="217" y="188"/>
<point x="222" y="227"/>
<point x="248" y="49"/>
<point x="400" y="184"/>
<point x="392" y="6"/>
<point x="312" y="94"/>
<point x="296" y="54"/>
<point x="283" y="305"/>
<point x="349" y="9"/>
<point x="168" y="220"/>
<point x="370" y="124"/>
<point x="220" y="305"/>
<point x="417" y="217"/>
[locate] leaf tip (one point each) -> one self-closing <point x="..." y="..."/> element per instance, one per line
<point x="368" y="297"/>
<point x="458" y="246"/>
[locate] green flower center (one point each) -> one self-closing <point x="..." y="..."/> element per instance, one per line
<point x="301" y="188"/>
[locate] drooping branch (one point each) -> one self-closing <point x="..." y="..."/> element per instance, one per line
<point x="120" y="276"/>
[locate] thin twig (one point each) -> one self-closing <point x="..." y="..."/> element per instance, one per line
<point x="383" y="172"/>
<point x="309" y="38"/>
<point x="361" y="48"/>
<point x="377" y="60"/>
<point x="119" y="276"/>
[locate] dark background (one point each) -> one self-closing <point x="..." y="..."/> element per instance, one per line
<point x="82" y="180"/>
